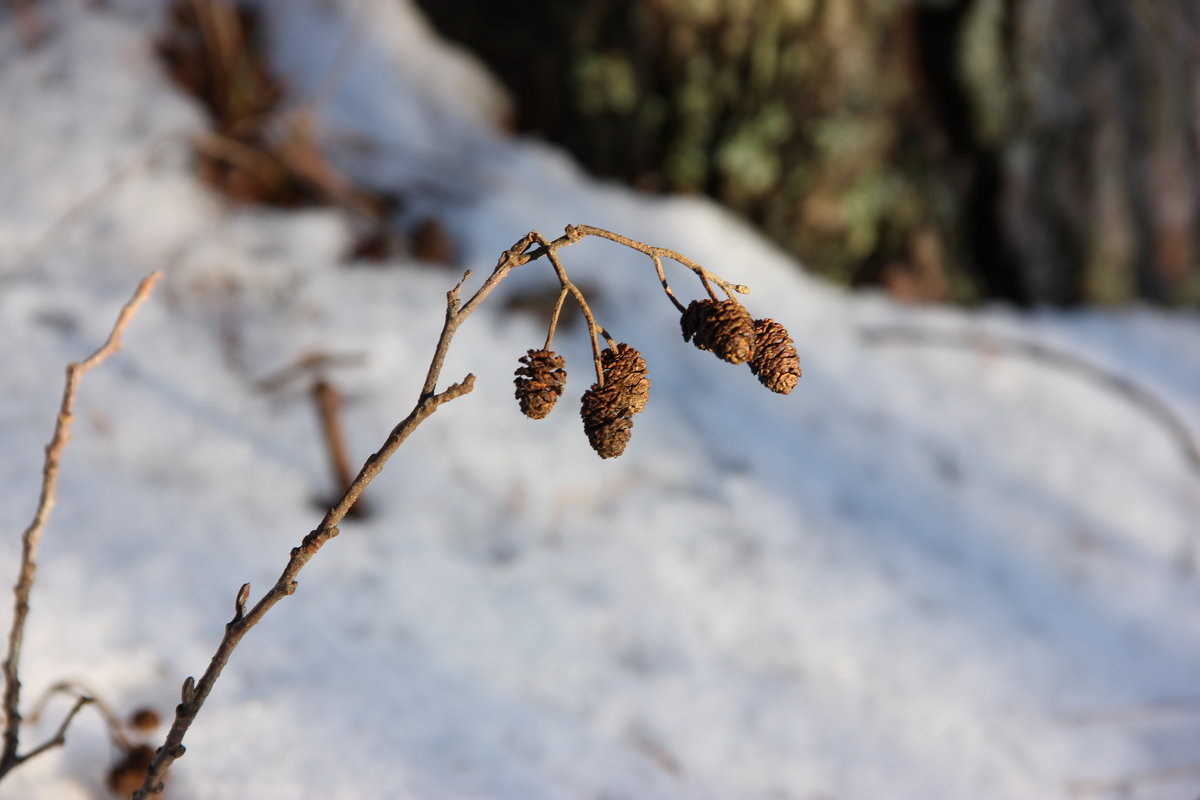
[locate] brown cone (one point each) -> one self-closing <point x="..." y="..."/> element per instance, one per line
<point x="626" y="369"/>
<point x="724" y="327"/>
<point x="126" y="776"/>
<point x="606" y="419"/>
<point x="775" y="361"/>
<point x="540" y="382"/>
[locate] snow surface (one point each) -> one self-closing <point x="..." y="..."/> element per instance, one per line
<point x="927" y="573"/>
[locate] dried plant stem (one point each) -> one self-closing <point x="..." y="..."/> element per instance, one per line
<point x="329" y="408"/>
<point x="666" y="286"/>
<point x="552" y="253"/>
<point x="9" y="756"/>
<point x="558" y="306"/>
<point x="195" y="692"/>
<point x="81" y="692"/>
<point x="576" y="232"/>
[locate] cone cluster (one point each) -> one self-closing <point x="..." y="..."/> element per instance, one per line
<point x="724" y="327"/>
<point x="775" y="361"/>
<point x="540" y="382"/>
<point x="608" y="410"/>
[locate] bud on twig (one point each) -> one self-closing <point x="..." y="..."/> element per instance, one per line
<point x="243" y="595"/>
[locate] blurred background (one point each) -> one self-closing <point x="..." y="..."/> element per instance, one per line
<point x="1042" y="152"/>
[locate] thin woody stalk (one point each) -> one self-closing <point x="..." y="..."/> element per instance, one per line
<point x="10" y="757"/>
<point x="195" y="692"/>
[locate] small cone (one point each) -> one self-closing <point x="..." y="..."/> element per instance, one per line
<point x="724" y="327"/>
<point x="539" y="382"/>
<point x="606" y="420"/>
<point x="626" y="369"/>
<point x="775" y="361"/>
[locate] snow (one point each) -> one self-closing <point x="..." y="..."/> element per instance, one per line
<point x="927" y="573"/>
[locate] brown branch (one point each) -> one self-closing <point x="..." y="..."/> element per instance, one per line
<point x="9" y="757"/>
<point x="195" y="692"/>
<point x="329" y="411"/>
<point x="60" y="736"/>
<point x="551" y="249"/>
<point x="79" y="691"/>
<point x="1141" y="397"/>
<point x="575" y="232"/>
<point x="558" y="306"/>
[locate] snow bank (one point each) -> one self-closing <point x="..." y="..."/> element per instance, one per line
<point x="927" y="573"/>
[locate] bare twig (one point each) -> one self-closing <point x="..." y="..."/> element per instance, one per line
<point x="9" y="757"/>
<point x="60" y="736"/>
<point x="329" y="409"/>
<point x="195" y="692"/>
<point x="558" y="306"/>
<point x="317" y="363"/>
<point x="79" y="691"/>
<point x="567" y="285"/>
<point x="1141" y="397"/>
<point x="575" y="232"/>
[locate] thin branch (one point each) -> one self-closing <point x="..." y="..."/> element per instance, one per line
<point x="666" y="286"/>
<point x="60" y="736"/>
<point x="78" y="690"/>
<point x="551" y="249"/>
<point x="195" y="692"/>
<point x="30" y="540"/>
<point x="1141" y="397"/>
<point x="558" y="306"/>
<point x="575" y="232"/>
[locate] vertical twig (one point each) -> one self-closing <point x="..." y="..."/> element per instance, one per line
<point x="9" y="756"/>
<point x="329" y="409"/>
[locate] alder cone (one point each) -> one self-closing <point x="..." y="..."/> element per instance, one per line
<point x="540" y="382"/>
<point x="126" y="776"/>
<point x="625" y="369"/>
<point x="606" y="419"/>
<point x="725" y="327"/>
<point x="775" y="361"/>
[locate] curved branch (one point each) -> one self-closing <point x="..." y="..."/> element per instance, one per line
<point x="31" y="538"/>
<point x="195" y="692"/>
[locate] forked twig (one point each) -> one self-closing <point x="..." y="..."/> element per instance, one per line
<point x="9" y="756"/>
<point x="195" y="692"/>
